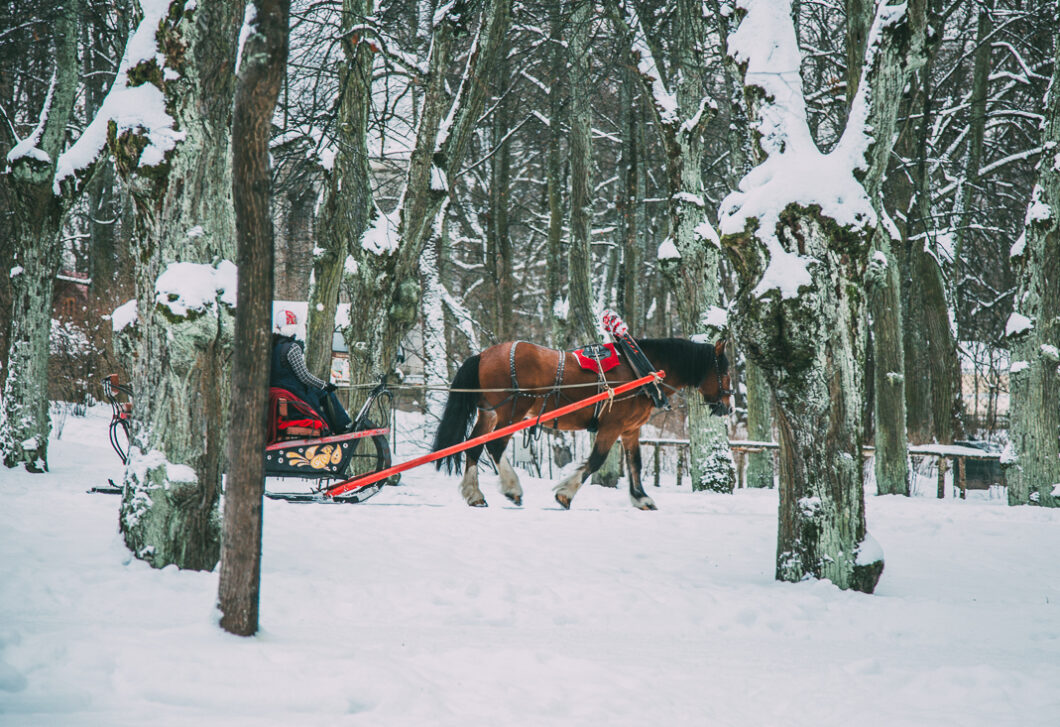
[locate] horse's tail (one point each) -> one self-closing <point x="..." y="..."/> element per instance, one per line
<point x="460" y="410"/>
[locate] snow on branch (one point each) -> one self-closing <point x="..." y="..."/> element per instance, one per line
<point x="30" y="146"/>
<point x="130" y="108"/>
<point x="794" y="170"/>
<point x="665" y="102"/>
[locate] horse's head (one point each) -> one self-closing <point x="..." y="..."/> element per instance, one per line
<point x="716" y="387"/>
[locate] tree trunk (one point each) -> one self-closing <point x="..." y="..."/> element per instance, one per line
<point x="932" y="370"/>
<point x="384" y="281"/>
<point x="24" y="422"/>
<point x="348" y="206"/>
<point x="298" y="248"/>
<point x="810" y="350"/>
<point x="436" y="375"/>
<point x="181" y="345"/>
<point x="693" y="271"/>
<point x="801" y="305"/>
<point x="759" y="427"/>
<point x="581" y="321"/>
<point x="260" y="78"/>
<point x="554" y="178"/>
<point x="498" y="237"/>
<point x="1032" y="458"/>
<point x="883" y="288"/>
<point x="976" y="132"/>
<point x="631" y="208"/>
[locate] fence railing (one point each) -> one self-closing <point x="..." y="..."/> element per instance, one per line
<point x="943" y="453"/>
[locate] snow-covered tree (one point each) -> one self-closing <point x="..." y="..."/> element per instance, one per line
<point x="33" y="167"/>
<point x="802" y="251"/>
<point x="384" y="284"/>
<point x="689" y="256"/>
<point x="347" y="207"/>
<point x="167" y="119"/>
<point x="1032" y="458"/>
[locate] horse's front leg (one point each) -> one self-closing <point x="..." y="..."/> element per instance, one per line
<point x="640" y="499"/>
<point x="510" y="486"/>
<point x="566" y="490"/>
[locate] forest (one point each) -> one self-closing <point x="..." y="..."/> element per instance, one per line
<point x="859" y="197"/>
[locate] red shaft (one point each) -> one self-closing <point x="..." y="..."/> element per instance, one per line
<point x="357" y="482"/>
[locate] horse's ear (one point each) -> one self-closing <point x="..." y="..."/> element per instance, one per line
<point x="719" y="347"/>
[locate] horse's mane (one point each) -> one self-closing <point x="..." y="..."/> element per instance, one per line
<point x="686" y="362"/>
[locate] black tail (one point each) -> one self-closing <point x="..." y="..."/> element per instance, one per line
<point x="460" y="410"/>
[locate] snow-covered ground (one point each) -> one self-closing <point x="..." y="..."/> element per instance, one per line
<point x="413" y="609"/>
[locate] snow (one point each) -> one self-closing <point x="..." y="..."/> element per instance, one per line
<point x="1019" y="246"/>
<point x="16" y="271"/>
<point x="185" y="287"/>
<point x="717" y="317"/>
<point x="438" y="181"/>
<point x="382" y="237"/>
<point x="664" y="101"/>
<point x="1017" y="324"/>
<point x="350" y="265"/>
<point x="29" y="147"/>
<point x="1038" y="210"/>
<point x="250" y="16"/>
<point x="124" y="315"/>
<point x="706" y="232"/>
<point x="413" y="609"/>
<point x="765" y="42"/>
<point x="1018" y="366"/>
<point x="668" y="250"/>
<point x="870" y="552"/>
<point x="139" y="109"/>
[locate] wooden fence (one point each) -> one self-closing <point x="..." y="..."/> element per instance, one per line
<point x="943" y="453"/>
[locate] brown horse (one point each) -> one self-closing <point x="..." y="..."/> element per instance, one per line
<point x="517" y="380"/>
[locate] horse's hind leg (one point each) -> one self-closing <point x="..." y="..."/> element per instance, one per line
<point x="469" y="489"/>
<point x="639" y="498"/>
<point x="510" y="486"/>
<point x="566" y="490"/>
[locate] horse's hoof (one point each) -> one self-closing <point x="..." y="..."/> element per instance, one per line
<point x="478" y="503"/>
<point x="563" y="500"/>
<point x="648" y="505"/>
<point x="516" y="499"/>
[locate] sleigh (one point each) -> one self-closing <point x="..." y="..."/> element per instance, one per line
<point x="300" y="444"/>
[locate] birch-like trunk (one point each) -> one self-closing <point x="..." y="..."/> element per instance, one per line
<point x="38" y="215"/>
<point x="180" y="369"/>
<point x="1032" y="458"/>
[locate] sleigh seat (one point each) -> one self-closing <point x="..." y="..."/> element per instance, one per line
<point x="292" y="418"/>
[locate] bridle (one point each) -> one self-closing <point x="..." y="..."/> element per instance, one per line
<point x="722" y="390"/>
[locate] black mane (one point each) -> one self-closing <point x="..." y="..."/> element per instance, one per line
<point x="687" y="363"/>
